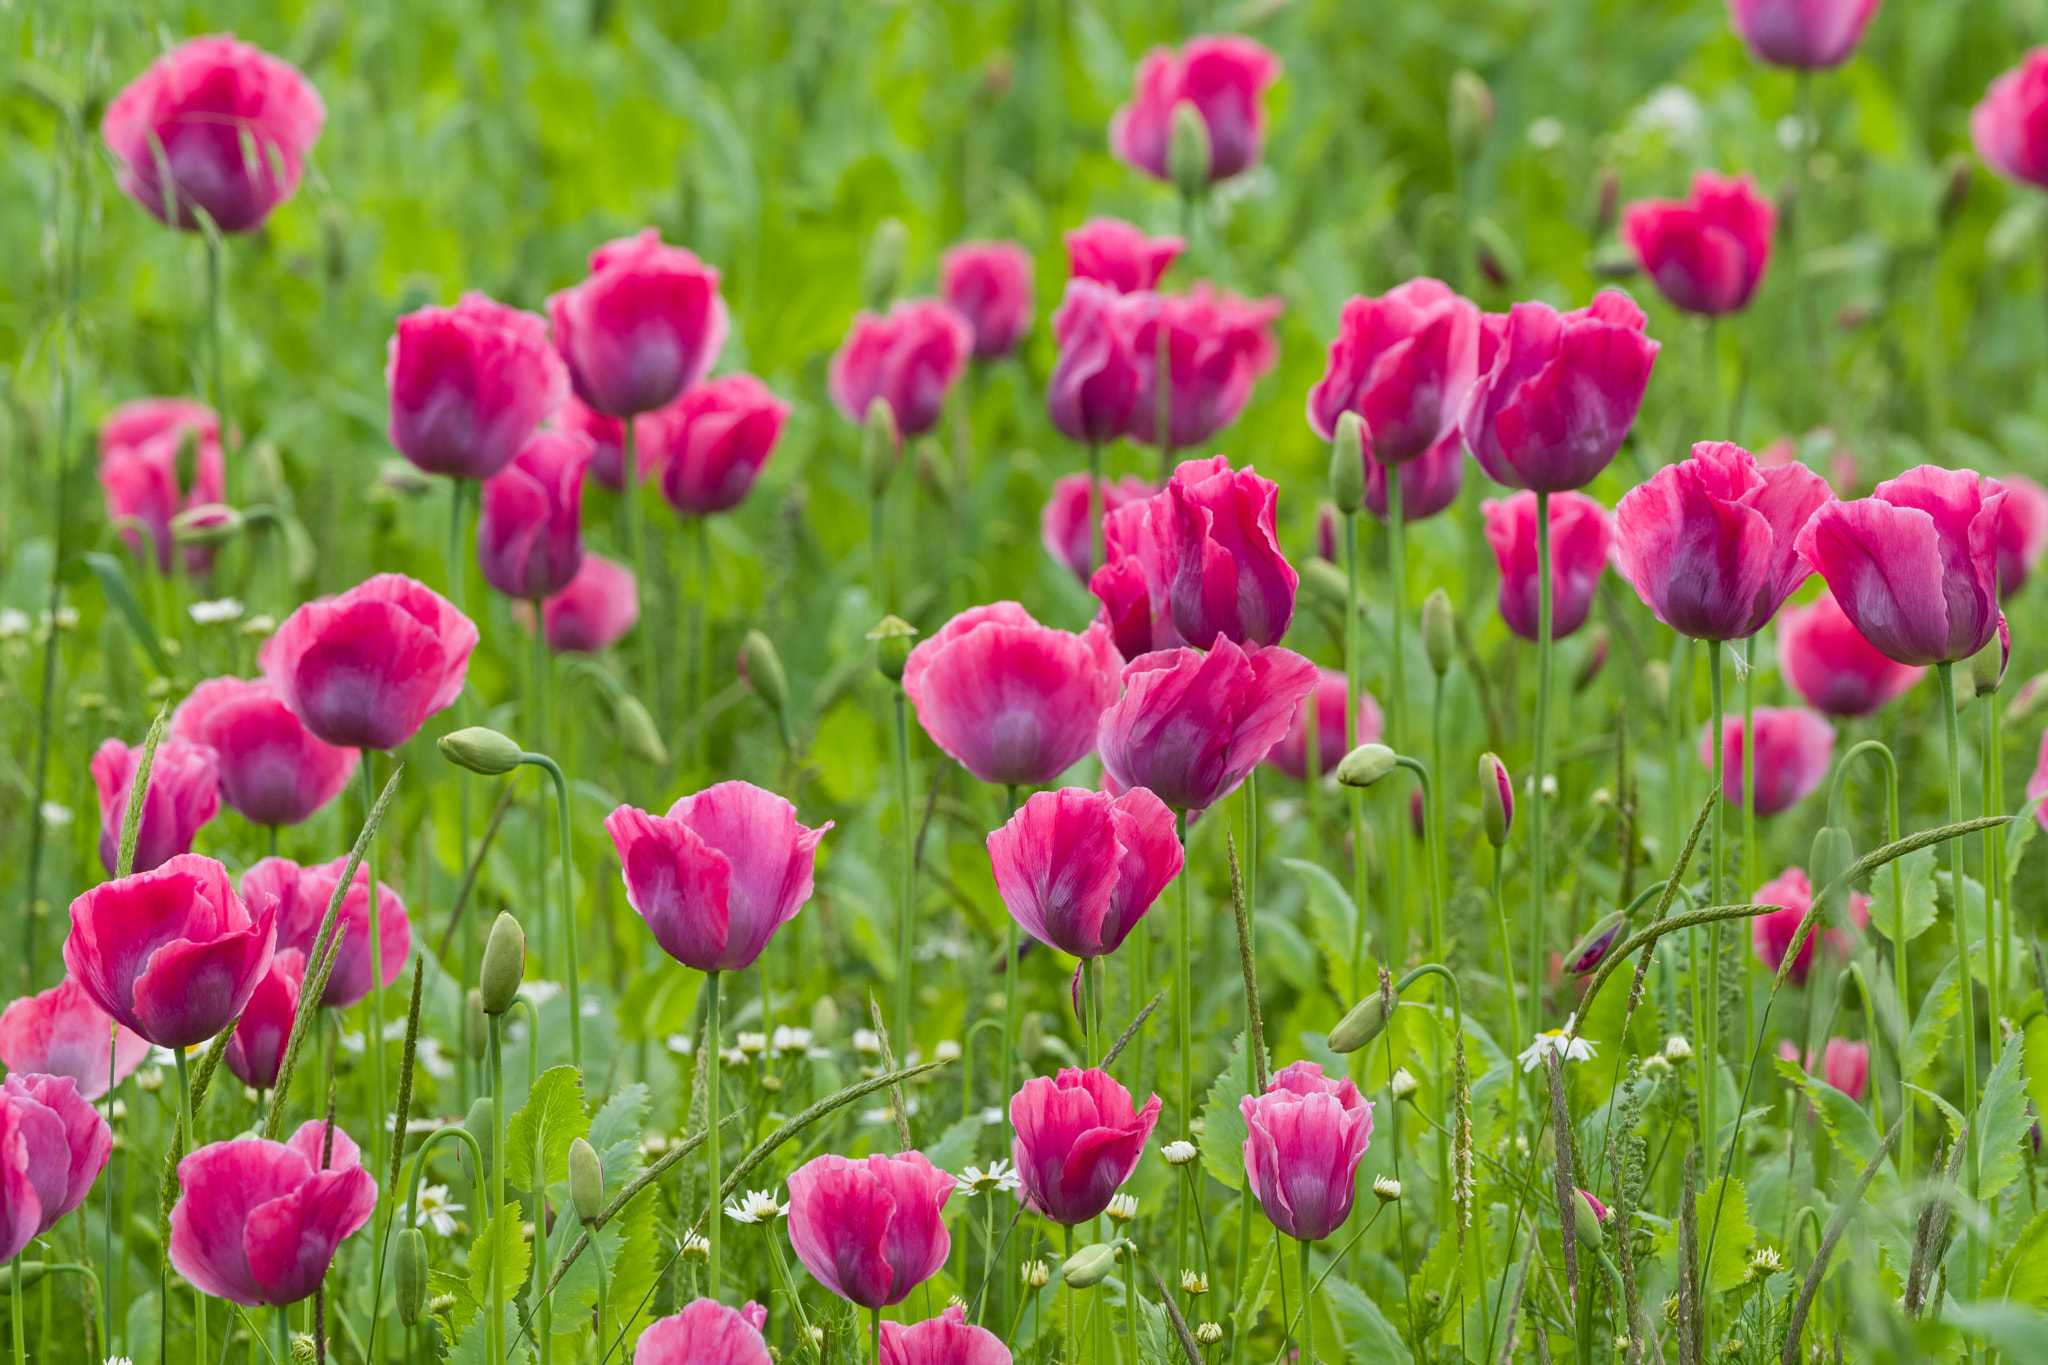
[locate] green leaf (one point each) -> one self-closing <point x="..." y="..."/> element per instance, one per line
<point x="1931" y="1028"/>
<point x="120" y="595"/>
<point x="1367" y="1333"/>
<point x="1259" y="1282"/>
<point x="1331" y="914"/>
<point x="1730" y="1264"/>
<point x="550" y="1120"/>
<point x="2021" y="1275"/>
<point x="956" y="1146"/>
<point x="615" y="1133"/>
<point x="1916" y="881"/>
<point x="1854" y="1135"/>
<point x="1156" y="1337"/>
<point x="633" y="1273"/>
<point x="1223" y="1126"/>
<point x="2002" y="1122"/>
<point x="498" y="1246"/>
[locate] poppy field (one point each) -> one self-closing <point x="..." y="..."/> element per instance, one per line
<point x="1045" y="681"/>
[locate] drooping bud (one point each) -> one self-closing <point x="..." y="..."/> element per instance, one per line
<point x="1089" y="1266"/>
<point x="504" y="965"/>
<point x="883" y="268"/>
<point x="1367" y="1019"/>
<point x="892" y="639"/>
<point x="476" y="1025"/>
<point x="1988" y="665"/>
<point x="481" y="750"/>
<point x="1588" y="1214"/>
<point x="409" y="1275"/>
<point x="1469" y="117"/>
<point x="637" y="732"/>
<point x="213" y="523"/>
<point x="586" y="1181"/>
<point x="1439" y="631"/>
<point x="1366" y="764"/>
<point x="1592" y="661"/>
<point x="878" y="444"/>
<point x="1591" y="950"/>
<point x="1189" y="156"/>
<point x="761" y="666"/>
<point x="1496" y="799"/>
<point x="1347" y="464"/>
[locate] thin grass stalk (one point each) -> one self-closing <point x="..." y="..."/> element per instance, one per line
<point x="1397" y="703"/>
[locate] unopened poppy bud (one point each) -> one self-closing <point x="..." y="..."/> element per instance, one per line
<point x="1189" y="156"/>
<point x="878" y="443"/>
<point x="481" y="750"/>
<point x="1469" y="119"/>
<point x="825" y="1019"/>
<point x="1496" y="799"/>
<point x="1956" y="173"/>
<point x="1366" y="764"/>
<point x="409" y="1275"/>
<point x="1592" y="661"/>
<point x="892" y="646"/>
<point x="213" y="523"/>
<point x="1607" y="206"/>
<point x="476" y="1025"/>
<point x="586" y="1180"/>
<point x="480" y="1124"/>
<point x="1324" y="583"/>
<point x="1590" y="951"/>
<point x="504" y="965"/>
<point x="1588" y="1214"/>
<point x="2028" y="700"/>
<point x="1089" y="1266"/>
<point x="883" y="268"/>
<point x="1988" y="665"/>
<point x="1657" y="677"/>
<point x="1347" y="464"/>
<point x="762" y="668"/>
<point x="1439" y="631"/>
<point x="1367" y="1019"/>
<point x="637" y="732"/>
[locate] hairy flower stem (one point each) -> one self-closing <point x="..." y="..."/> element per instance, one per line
<point x="1836" y="818"/>
<point x="374" y="1044"/>
<point x="1994" y="873"/>
<point x="1397" y="711"/>
<point x="1183" y="1012"/>
<point x="1007" y="1070"/>
<point x="700" y="639"/>
<point x="713" y="1148"/>
<point x="1752" y="871"/>
<point x="1967" y="988"/>
<point x="554" y="772"/>
<point x="1507" y="963"/>
<point x="636" y="544"/>
<point x="907" y="891"/>
<point x="495" y="1329"/>
<point x="1308" y="1314"/>
<point x="1538" y="821"/>
<point x="1353" y="795"/>
<point x="191" y="1145"/>
<point x="1709" y="1025"/>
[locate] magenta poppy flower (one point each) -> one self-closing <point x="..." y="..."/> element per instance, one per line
<point x="1078" y="869"/>
<point x="707" y="448"/>
<point x="1076" y="1140"/>
<point x="2009" y="126"/>
<point x="1306" y="1136"/>
<point x="529" y="533"/>
<point x="1793" y="749"/>
<point x="1403" y="362"/>
<point x="2022" y="532"/>
<point x="160" y="457"/>
<point x="273" y="771"/>
<point x="216" y="127"/>
<point x="908" y="357"/>
<point x="1581" y="539"/>
<point x="643" y="326"/>
<point x="1094" y="383"/>
<point x="1915" y="565"/>
<point x="594" y="612"/>
<point x="1224" y="77"/>
<point x="719" y="874"/>
<point x="1190" y="725"/>
<point x="1492" y="770"/>
<point x="470" y="385"/>
<point x="1013" y="702"/>
<point x="1290" y="755"/>
<point x="1706" y="251"/>
<point x="1063" y="526"/>
<point x="366" y="668"/>
<point x="1826" y="660"/>
<point x="172" y="954"/>
<point x="1218" y="345"/>
<point x="255" y="1051"/>
<point x="1845" y="1065"/>
<point x="1119" y="254"/>
<point x="948" y="1339"/>
<point x="53" y="1146"/>
<point x="1430" y="483"/>
<point x="1555" y="393"/>
<point x="302" y="895"/>
<point x="258" y="1222"/>
<point x="1807" y="35"/>
<point x="183" y="794"/>
<point x="870" y="1230"/>
<point x="607" y="440"/>
<point x="705" y="1332"/>
<point x="1206" y="552"/>
<point x="1710" y="543"/>
<point x="63" y="1032"/>
<point x="989" y="284"/>
<point x="1771" y="934"/>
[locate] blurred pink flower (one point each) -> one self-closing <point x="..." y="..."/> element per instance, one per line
<point x="63" y="1032"/>
<point x="1218" y="345"/>
<point x="1581" y="542"/>
<point x="183" y="795"/>
<point x="302" y="895"/>
<point x="529" y="531"/>
<point x="1224" y="77"/>
<point x="2009" y="126"/>
<point x="1119" y="254"/>
<point x="1063" y="527"/>
<point x="1808" y="35"/>
<point x="1793" y="749"/>
<point x="1826" y="660"/>
<point x="644" y="325"/>
<point x="1290" y="755"/>
<point x="707" y="448"/>
<point x="908" y="357"/>
<point x="1707" y="251"/>
<point x="989" y="284"/>
<point x="1094" y="383"/>
<point x="593" y="613"/>
<point x="160" y="457"/>
<point x="2022" y="532"/>
<point x="255" y="1051"/>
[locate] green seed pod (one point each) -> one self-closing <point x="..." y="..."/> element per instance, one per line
<point x="409" y="1275"/>
<point x="504" y="965"/>
<point x="481" y="1124"/>
<point x="1439" y="631"/>
<point x="1189" y="155"/>
<point x="883" y="269"/>
<point x="762" y="668"/>
<point x="1089" y="1266"/>
<point x="481" y="750"/>
<point x="637" y="731"/>
<point x="586" y="1181"/>
<point x="1469" y="116"/>
<point x="1366" y="764"/>
<point x="892" y="639"/>
<point x="879" y="441"/>
<point x="1347" y="464"/>
<point x="476" y="1025"/>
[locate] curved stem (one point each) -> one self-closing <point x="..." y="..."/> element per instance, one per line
<point x="554" y="771"/>
<point x="1902" y="975"/>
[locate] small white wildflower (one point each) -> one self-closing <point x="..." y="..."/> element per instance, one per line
<point x="1678" y="1048"/>
<point x="887" y="1113"/>
<point x="13" y="622"/>
<point x="217" y="612"/>
<point x="682" y="1044"/>
<point x="999" y="1176"/>
<point x="259" y="625"/>
<point x="867" y="1041"/>
<point x="119" y="1360"/>
<point x="540" y="992"/>
<point x="696" y="1247"/>
<point x="991" y="1116"/>
<point x="434" y="1058"/>
<point x="753" y="1043"/>
<point x="1037" y="1274"/>
<point x="1122" y="1208"/>
<point x="1208" y="1334"/>
<point x="436" y="1211"/>
<point x="1194" y="1282"/>
<point x="1387" y="1188"/>
<point x="1546" y="133"/>
<point x="1765" y="1262"/>
<point x="150" y="1078"/>
<point x="732" y="1056"/>
<point x="1403" y="1083"/>
<point x="56" y="814"/>
<point x="1179" y="1153"/>
<point x="655" y="1145"/>
<point x="756" y="1206"/>
<point x="789" y="1040"/>
<point x="946" y="1050"/>
<point x="1565" y="1042"/>
<point x="352" y="1041"/>
<point x="1791" y="132"/>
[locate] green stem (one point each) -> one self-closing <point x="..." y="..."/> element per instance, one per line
<point x="1355" y="796"/>
<point x="636" y="539"/>
<point x="18" y="1316"/>
<point x="1752" y="871"/>
<point x="1967" y="986"/>
<point x="375" y="1043"/>
<point x="191" y="1145"/>
<point x="495" y="1331"/>
<point x="1183" y="990"/>
<point x="1006" y="1072"/>
<point x="1710" y="1026"/>
<point x="1397" y="709"/>
<point x="713" y="1153"/>
<point x="1507" y="962"/>
<point x="906" y="912"/>
<point x="1538" y="822"/>
<point x="554" y="771"/>
<point x="878" y="563"/>
<point x="1308" y="1314"/>
<point x="542" y="743"/>
<point x="1994" y="944"/>
<point x="700" y="643"/>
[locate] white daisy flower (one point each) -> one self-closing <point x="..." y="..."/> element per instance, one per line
<point x="436" y="1211"/>
<point x="217" y="612"/>
<point x="1563" y="1041"/>
<point x="1122" y="1208"/>
<point x="974" y="1180"/>
<point x="755" y="1206"/>
<point x="1179" y="1153"/>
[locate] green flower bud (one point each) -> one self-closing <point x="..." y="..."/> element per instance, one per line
<point x="1469" y="117"/>
<point x="1597" y="942"/>
<point x="481" y="750"/>
<point x="1089" y="1266"/>
<point x="878" y="443"/>
<point x="637" y="731"/>
<point x="1987" y="665"/>
<point x="1367" y="1019"/>
<point x="1189" y="156"/>
<point x="504" y="965"/>
<point x="892" y="637"/>
<point x="883" y="268"/>
<point x="476" y="1025"/>
<point x="212" y="523"/>
<point x="185" y="465"/>
<point x="480" y="1122"/>
<point x="409" y="1275"/>
<point x="1347" y="464"/>
<point x="761" y="666"/>
<point x="825" y="1019"/>
<point x="1439" y="631"/>
<point x="586" y="1181"/>
<point x="1366" y="764"/>
<point x="1325" y="583"/>
<point x="1496" y="799"/>
<point x="1588" y="1214"/>
<point x="1592" y="661"/>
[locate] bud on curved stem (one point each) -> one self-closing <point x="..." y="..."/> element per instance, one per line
<point x="878" y="445"/>
<point x="1366" y="764"/>
<point x="1089" y="1266"/>
<point x="1496" y="799"/>
<point x="1439" y="631"/>
<point x="504" y="964"/>
<point x="1189" y="155"/>
<point x="1347" y="464"/>
<point x="586" y="1181"/>
<point x="476" y="1025"/>
<point x="481" y="750"/>
<point x="763" y="669"/>
<point x="1469" y="118"/>
<point x="409" y="1275"/>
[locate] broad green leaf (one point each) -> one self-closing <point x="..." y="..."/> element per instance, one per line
<point x="633" y="1273"/>
<point x="501" y="1247"/>
<point x="1850" y="1128"/>
<point x="120" y="595"/>
<point x="615" y="1133"/>
<point x="2021" y="1275"/>
<point x="1156" y="1337"/>
<point x="1931" y="1028"/>
<point x="2036" y="1064"/>
<point x="1223" y="1126"/>
<point x="1367" y="1334"/>
<point x="1259" y="1281"/>
<point x="1908" y="917"/>
<point x="1730" y="1264"/>
<point x="956" y="1146"/>
<point x="2002" y="1122"/>
<point x="1332" y="916"/>
<point x="548" y="1122"/>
